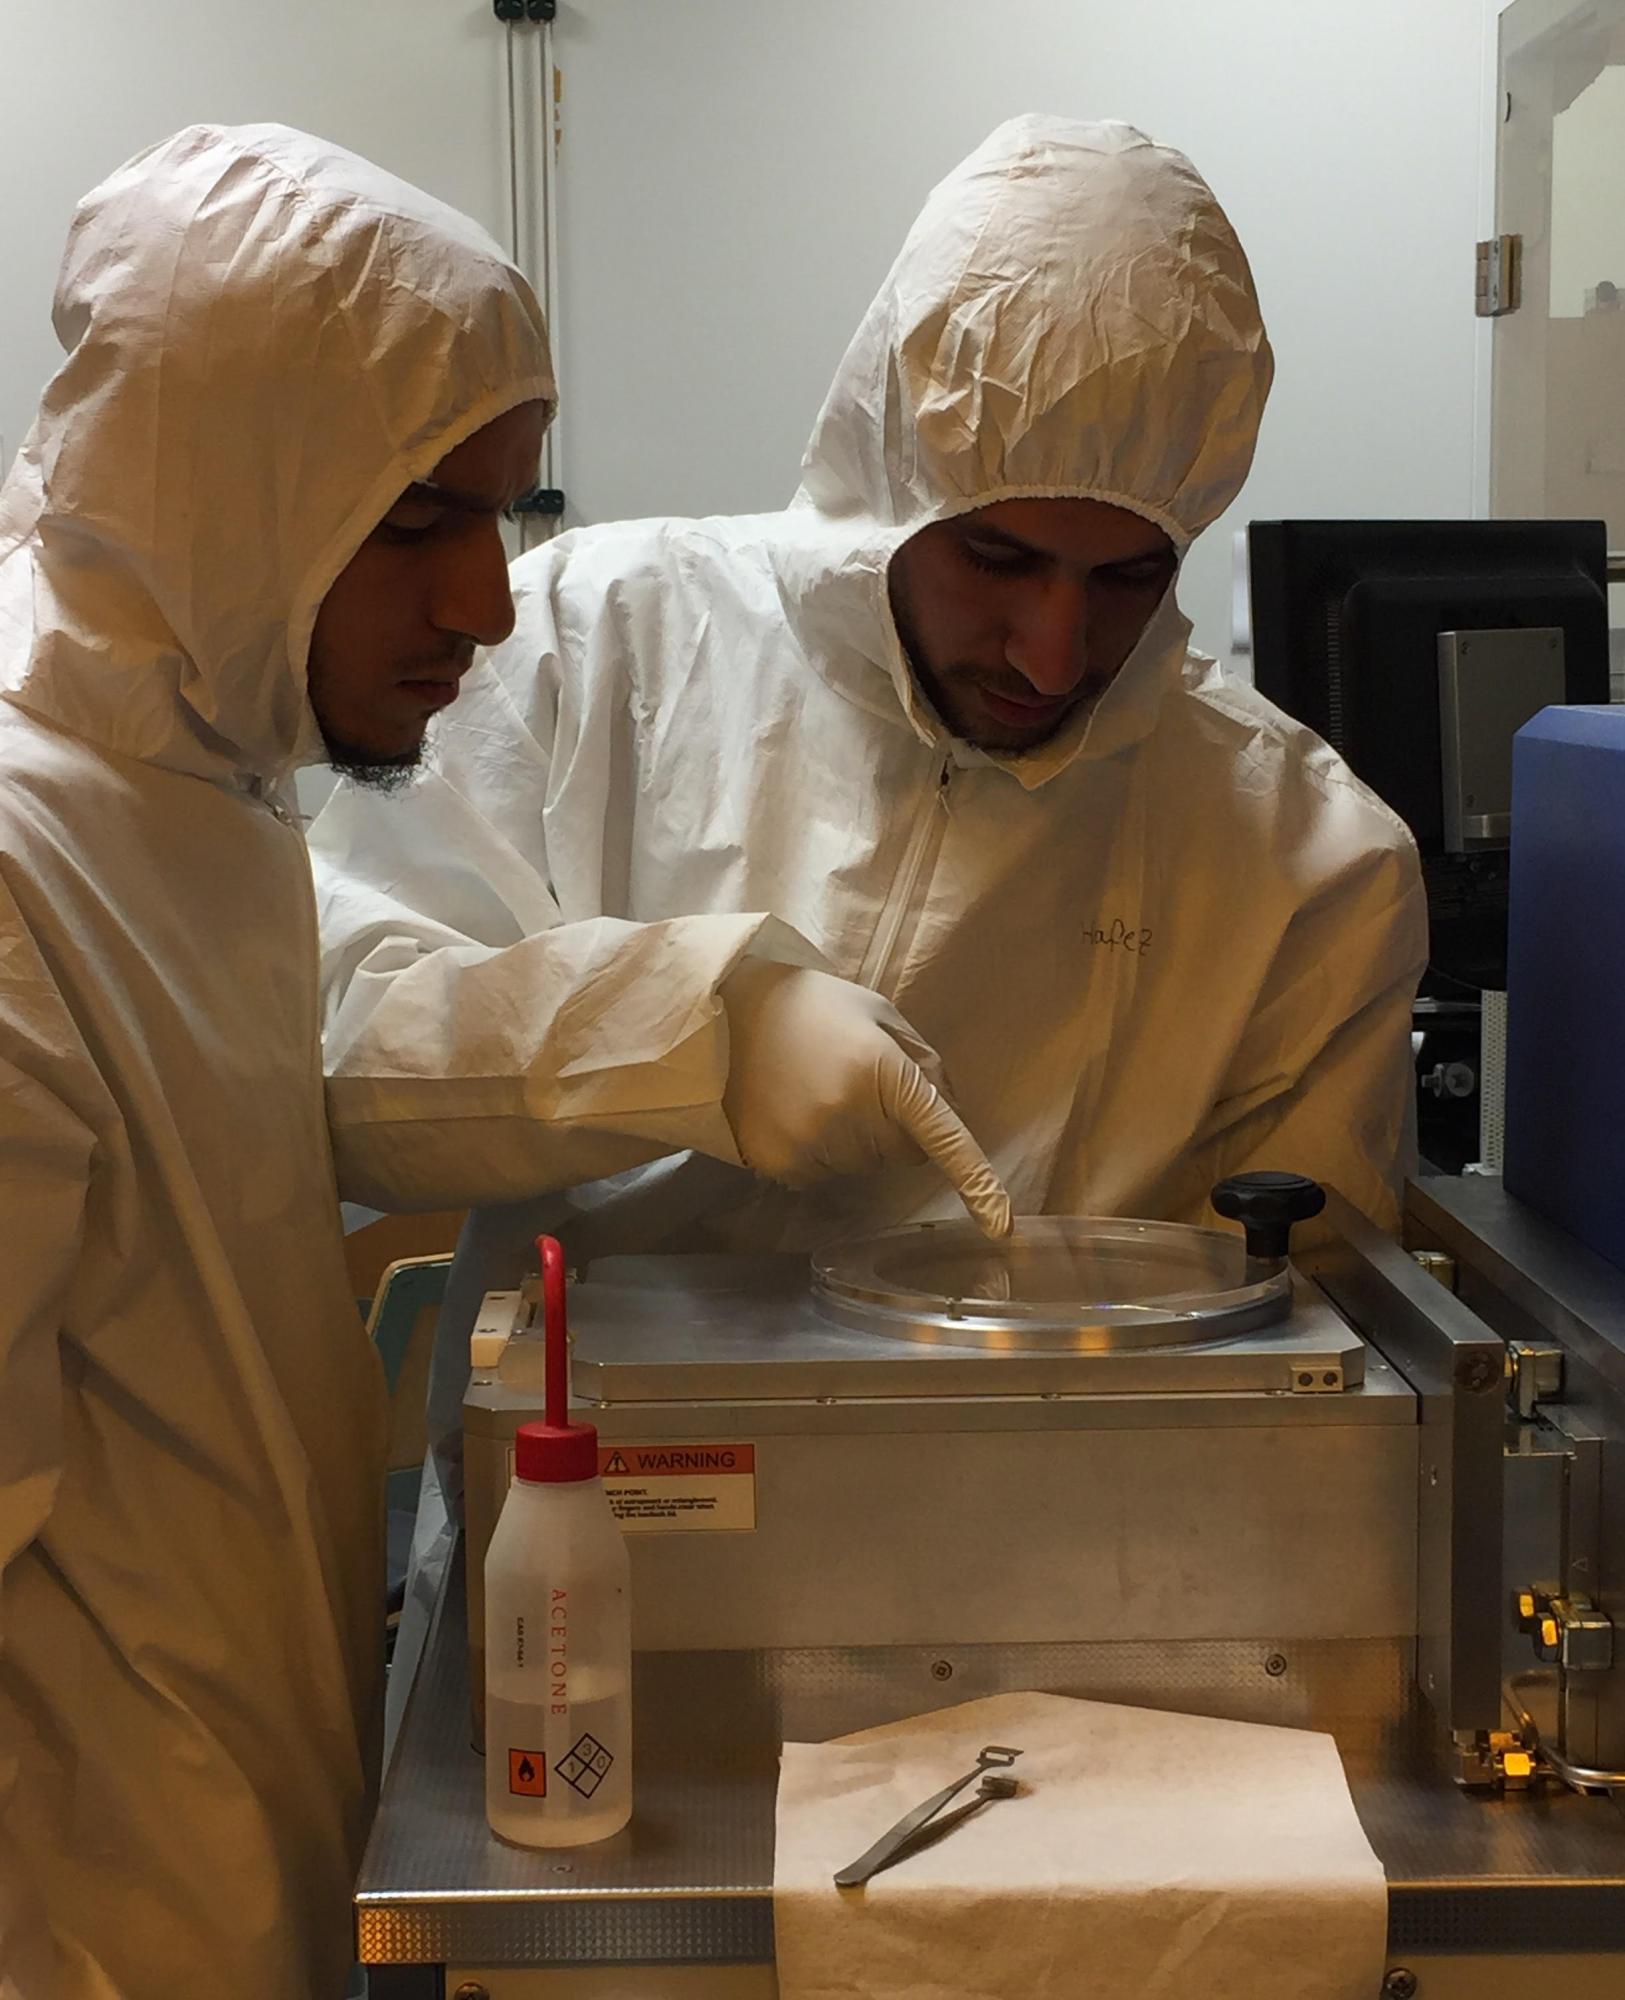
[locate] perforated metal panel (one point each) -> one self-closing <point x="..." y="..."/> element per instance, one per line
<point x="1492" y="1082"/>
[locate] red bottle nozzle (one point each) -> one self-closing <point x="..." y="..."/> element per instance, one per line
<point x="556" y="1332"/>
<point x="555" y="1452"/>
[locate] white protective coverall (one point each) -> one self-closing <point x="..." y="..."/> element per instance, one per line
<point x="267" y="340"/>
<point x="1177" y="941"/>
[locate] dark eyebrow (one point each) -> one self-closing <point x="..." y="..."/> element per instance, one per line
<point x="1163" y="552"/>
<point x="986" y="532"/>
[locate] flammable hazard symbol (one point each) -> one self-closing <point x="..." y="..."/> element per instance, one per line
<point x="527" y="1774"/>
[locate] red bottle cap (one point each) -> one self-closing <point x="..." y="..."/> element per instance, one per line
<point x="555" y="1452"/>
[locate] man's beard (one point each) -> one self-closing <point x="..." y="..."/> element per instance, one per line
<point x="938" y="691"/>
<point x="992" y="739"/>
<point x="372" y="768"/>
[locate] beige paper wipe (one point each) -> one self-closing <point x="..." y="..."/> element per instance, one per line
<point x="1164" y="1857"/>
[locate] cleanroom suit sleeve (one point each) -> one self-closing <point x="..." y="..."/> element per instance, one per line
<point x="480" y="1050"/>
<point x="45" y="1154"/>
<point x="1325" y="1083"/>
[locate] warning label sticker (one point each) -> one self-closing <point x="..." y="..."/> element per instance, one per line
<point x="527" y="1774"/>
<point x="666" y="1488"/>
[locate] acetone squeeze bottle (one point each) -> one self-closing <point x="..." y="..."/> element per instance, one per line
<point x="558" y="1626"/>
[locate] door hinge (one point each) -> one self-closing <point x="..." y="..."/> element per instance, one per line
<point x="1498" y="288"/>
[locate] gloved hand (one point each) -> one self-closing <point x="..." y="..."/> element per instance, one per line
<point x="825" y="1077"/>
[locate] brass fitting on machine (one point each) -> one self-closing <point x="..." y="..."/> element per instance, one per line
<point x="1566" y="1631"/>
<point x="1494" y="1760"/>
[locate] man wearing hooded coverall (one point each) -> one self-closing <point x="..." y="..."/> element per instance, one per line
<point x="256" y="525"/>
<point x="942" y="716"/>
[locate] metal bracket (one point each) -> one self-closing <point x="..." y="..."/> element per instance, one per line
<point x="1534" y="1375"/>
<point x="1566" y="1631"/>
<point x="1498" y="288"/>
<point x="1588" y="1635"/>
<point x="1456" y="1366"/>
<point x="1438" y="1264"/>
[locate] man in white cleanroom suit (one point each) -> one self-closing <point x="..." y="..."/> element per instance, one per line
<point x="943" y="717"/>
<point x="257" y="525"/>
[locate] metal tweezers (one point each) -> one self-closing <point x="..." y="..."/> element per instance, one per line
<point x="921" y="1828"/>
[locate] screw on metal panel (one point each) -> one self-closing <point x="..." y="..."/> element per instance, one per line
<point x="942" y="1670"/>
<point x="471" y="1989"/>
<point x="1275" y="1665"/>
<point x="1477" y="1372"/>
<point x="1401" y="1984"/>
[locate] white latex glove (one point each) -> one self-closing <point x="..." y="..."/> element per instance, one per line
<point x="825" y="1077"/>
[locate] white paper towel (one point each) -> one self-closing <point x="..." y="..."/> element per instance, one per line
<point x="1149" y="1855"/>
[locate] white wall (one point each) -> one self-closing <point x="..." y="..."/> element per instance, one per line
<point x="738" y="173"/>
<point x="415" y="83"/>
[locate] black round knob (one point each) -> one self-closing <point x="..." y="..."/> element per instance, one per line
<point x="1266" y="1205"/>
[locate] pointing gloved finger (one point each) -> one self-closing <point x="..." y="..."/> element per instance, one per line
<point x="918" y="1050"/>
<point x="925" y="1114"/>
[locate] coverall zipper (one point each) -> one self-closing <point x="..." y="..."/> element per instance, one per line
<point x="918" y="862"/>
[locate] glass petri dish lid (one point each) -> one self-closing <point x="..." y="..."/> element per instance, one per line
<point x="1057" y="1283"/>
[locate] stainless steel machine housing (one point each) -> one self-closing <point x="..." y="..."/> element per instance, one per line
<point x="1420" y="1551"/>
<point x="913" y="1492"/>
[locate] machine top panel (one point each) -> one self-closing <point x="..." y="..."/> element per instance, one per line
<point x="732" y="1330"/>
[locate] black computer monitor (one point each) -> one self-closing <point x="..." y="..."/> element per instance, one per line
<point x="1346" y="618"/>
